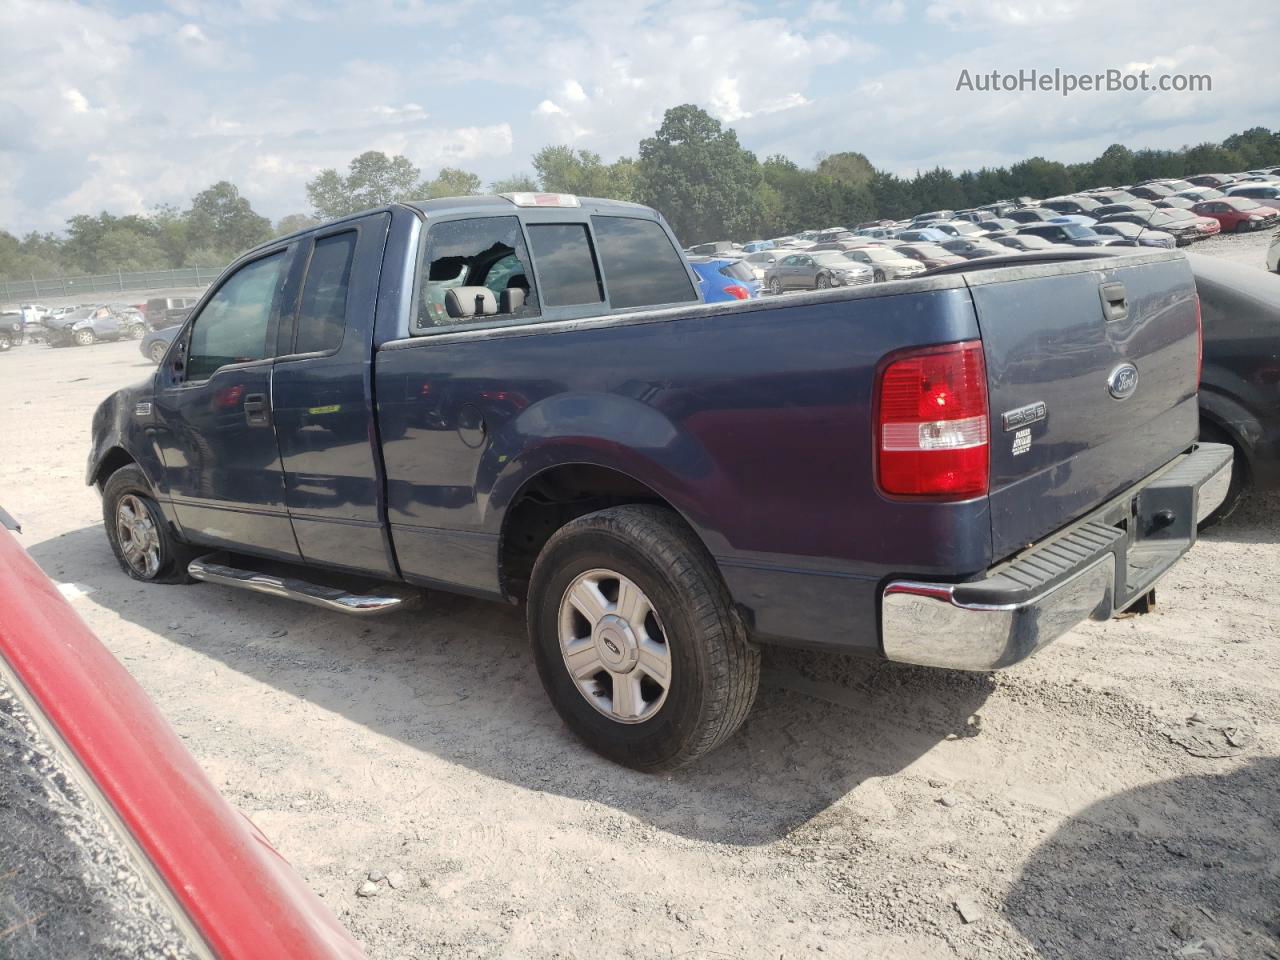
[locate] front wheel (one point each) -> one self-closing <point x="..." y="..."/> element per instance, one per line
<point x="775" y="286"/>
<point x="84" y="337"/>
<point x="137" y="331"/>
<point x="141" y="539"/>
<point x="157" y="351"/>
<point x="823" y="281"/>
<point x="636" y="639"/>
<point x="1243" y="226"/>
<point x="878" y="276"/>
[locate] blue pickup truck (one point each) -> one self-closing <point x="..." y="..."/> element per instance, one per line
<point x="522" y="398"/>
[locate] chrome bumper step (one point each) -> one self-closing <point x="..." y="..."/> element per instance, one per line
<point x="212" y="568"/>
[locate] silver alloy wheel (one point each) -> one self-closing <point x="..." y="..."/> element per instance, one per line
<point x="158" y="350"/>
<point x="775" y="286"/>
<point x="614" y="646"/>
<point x="84" y="337"/>
<point x="823" y="281"/>
<point x="138" y="536"/>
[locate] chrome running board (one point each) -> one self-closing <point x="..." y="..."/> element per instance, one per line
<point x="211" y="570"/>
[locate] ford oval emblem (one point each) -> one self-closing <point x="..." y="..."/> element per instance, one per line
<point x="1122" y="382"/>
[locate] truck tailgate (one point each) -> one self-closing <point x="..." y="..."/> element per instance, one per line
<point x="1072" y="424"/>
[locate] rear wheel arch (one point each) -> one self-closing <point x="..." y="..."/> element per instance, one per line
<point x="554" y="497"/>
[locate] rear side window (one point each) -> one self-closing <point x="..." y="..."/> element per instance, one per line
<point x="232" y="327"/>
<point x="566" y="264"/>
<point x="322" y="314"/>
<point x="476" y="252"/>
<point x="641" y="266"/>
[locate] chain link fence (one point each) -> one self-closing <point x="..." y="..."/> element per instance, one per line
<point x="33" y="290"/>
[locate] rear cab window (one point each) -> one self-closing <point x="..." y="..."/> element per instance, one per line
<point x="641" y="266"/>
<point x="566" y="264"/>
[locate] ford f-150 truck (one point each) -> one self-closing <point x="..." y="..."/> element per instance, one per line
<point x="522" y="398"/>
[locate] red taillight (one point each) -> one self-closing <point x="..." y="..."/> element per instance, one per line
<point x="932" y="422"/>
<point x="737" y="292"/>
<point x="1199" y="343"/>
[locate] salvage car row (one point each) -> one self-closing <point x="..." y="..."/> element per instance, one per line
<point x="1155" y="213"/>
<point x="86" y="324"/>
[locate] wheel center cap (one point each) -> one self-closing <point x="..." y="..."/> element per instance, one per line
<point x="616" y="643"/>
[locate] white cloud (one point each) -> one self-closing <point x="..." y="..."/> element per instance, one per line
<point x="76" y="100"/>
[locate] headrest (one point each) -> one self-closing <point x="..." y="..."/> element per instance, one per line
<point x="470" y="302"/>
<point x="511" y="300"/>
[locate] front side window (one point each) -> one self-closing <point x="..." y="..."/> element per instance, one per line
<point x="484" y="252"/>
<point x="322" y="314"/>
<point x="232" y="327"/>
<point x="641" y="266"/>
<point x="566" y="264"/>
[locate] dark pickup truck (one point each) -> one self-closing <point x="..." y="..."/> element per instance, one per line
<point x="522" y="398"/>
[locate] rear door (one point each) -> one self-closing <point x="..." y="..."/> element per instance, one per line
<point x="1092" y="373"/>
<point x="322" y="400"/>
<point x="212" y="408"/>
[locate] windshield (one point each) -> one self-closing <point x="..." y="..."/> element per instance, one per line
<point x="929" y="250"/>
<point x="1076" y="231"/>
<point x="1240" y="203"/>
<point x="831" y="259"/>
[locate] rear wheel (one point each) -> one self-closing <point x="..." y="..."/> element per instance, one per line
<point x="84" y="337"/>
<point x="636" y="640"/>
<point x="140" y="537"/>
<point x="1212" y="433"/>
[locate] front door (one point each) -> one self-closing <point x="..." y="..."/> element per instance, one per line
<point x="213" y="410"/>
<point x="323" y="402"/>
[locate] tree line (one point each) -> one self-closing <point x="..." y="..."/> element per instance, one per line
<point x="693" y="170"/>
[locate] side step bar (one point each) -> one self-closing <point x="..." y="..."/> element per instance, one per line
<point x="211" y="569"/>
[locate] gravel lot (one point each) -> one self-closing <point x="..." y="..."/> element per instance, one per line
<point x="1062" y="804"/>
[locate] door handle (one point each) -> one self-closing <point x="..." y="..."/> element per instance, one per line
<point x="1115" y="305"/>
<point x="256" y="412"/>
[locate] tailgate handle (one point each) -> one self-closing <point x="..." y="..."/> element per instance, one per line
<point x="1115" y="305"/>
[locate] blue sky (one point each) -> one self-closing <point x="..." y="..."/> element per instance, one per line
<point x="119" y="106"/>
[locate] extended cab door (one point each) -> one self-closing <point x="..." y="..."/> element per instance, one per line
<point x="323" y="400"/>
<point x="213" y="413"/>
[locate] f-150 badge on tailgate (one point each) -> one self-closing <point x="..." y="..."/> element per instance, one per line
<point x="1024" y="416"/>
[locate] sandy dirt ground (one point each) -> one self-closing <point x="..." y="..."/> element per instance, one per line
<point x="1057" y="810"/>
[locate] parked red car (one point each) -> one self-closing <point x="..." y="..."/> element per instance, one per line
<point x="119" y="844"/>
<point x="1238" y="213"/>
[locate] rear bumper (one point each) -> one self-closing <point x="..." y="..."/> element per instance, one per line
<point x="1099" y="566"/>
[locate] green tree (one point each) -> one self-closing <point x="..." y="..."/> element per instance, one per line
<point x="373" y="179"/>
<point x="699" y="177"/>
<point x="450" y="182"/>
<point x="222" y="219"/>
<point x="516" y="183"/>
<point x="849" y="168"/>
<point x="562" y="169"/>
<point x="293" y="223"/>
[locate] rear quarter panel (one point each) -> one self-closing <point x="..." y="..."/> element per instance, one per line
<point x="753" y="420"/>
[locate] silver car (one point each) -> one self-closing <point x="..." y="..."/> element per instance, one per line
<point x="816" y="271"/>
<point x="885" y="263"/>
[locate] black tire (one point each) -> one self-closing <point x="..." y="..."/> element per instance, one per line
<point x="158" y="350"/>
<point x="174" y="555"/>
<point x="878" y="277"/>
<point x="775" y="286"/>
<point x="715" y="670"/>
<point x="1243" y="226"/>
<point x="1212" y="433"/>
<point x="823" y="282"/>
